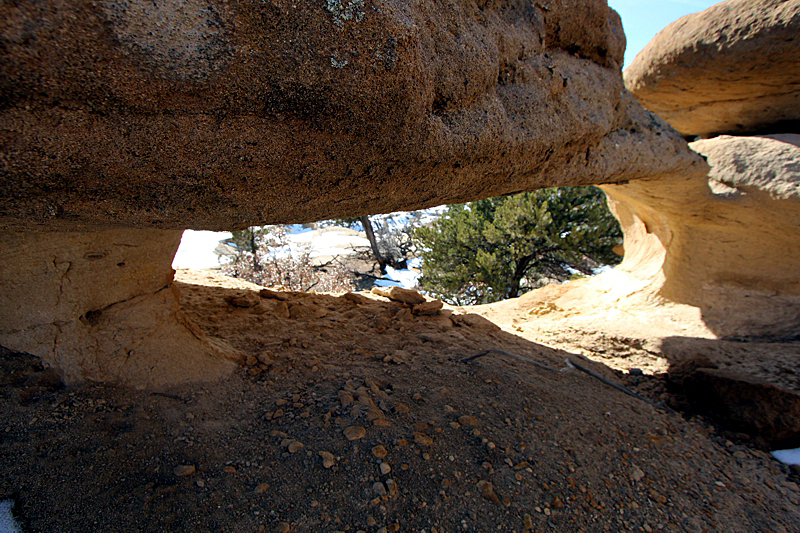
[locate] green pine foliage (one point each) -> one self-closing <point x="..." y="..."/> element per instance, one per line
<point x="498" y="248"/>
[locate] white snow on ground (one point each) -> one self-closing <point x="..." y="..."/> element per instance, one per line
<point x="405" y="278"/>
<point x="197" y="249"/>
<point x="790" y="457"/>
<point x="7" y="522"/>
<point x="329" y="241"/>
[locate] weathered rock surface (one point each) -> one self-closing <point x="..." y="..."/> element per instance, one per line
<point x="727" y="241"/>
<point x="399" y="294"/>
<point x="211" y="114"/>
<point x="101" y="306"/>
<point x="733" y="68"/>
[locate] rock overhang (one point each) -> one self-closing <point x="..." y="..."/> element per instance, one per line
<point x="211" y="115"/>
<point x="123" y="122"/>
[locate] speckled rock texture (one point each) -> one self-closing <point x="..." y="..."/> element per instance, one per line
<point x="726" y="242"/>
<point x="733" y="68"/>
<point x="101" y="306"/>
<point x="207" y="114"/>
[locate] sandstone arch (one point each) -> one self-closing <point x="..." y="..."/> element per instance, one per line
<point x="124" y="117"/>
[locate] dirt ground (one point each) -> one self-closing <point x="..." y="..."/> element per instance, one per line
<point x="352" y="415"/>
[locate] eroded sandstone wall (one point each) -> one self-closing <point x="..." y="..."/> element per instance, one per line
<point x="726" y="241"/>
<point x="101" y="306"/>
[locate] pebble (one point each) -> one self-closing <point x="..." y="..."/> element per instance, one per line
<point x="379" y="488"/>
<point x="391" y="485"/>
<point x="374" y="413"/>
<point x="229" y="469"/>
<point x="487" y="491"/>
<point x="266" y="358"/>
<point x="295" y="446"/>
<point x="379" y="452"/>
<point x="371" y="521"/>
<point x="449" y="409"/>
<point x="328" y="459"/>
<point x="467" y="420"/>
<point x="401" y="409"/>
<point x="398" y="294"/>
<point x="658" y="497"/>
<point x="422" y="439"/>
<point x="636" y="474"/>
<point x="183" y="470"/>
<point x="266" y="293"/>
<point x="261" y="488"/>
<point x="354" y="432"/>
<point x="283" y="527"/>
<point x="385" y="468"/>
<point x="345" y="398"/>
<point x="527" y="522"/>
<point x="427" y="308"/>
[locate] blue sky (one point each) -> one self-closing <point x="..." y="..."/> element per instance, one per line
<point x="643" y="19"/>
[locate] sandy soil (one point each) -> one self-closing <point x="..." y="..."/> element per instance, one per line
<point x="354" y="415"/>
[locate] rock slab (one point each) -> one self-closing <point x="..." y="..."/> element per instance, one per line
<point x="733" y="68"/>
<point x="207" y="114"/>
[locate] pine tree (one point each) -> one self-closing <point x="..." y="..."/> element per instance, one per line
<point x="498" y="248"/>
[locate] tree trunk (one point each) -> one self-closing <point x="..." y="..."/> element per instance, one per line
<point x="254" y="250"/>
<point x="376" y="252"/>
<point x="519" y="273"/>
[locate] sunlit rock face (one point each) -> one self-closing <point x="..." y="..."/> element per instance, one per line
<point x="727" y="241"/>
<point x="733" y="68"/>
<point x="123" y="118"/>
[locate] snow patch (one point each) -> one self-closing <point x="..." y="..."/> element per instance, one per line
<point x="7" y="522"/>
<point x="405" y="278"/>
<point x="329" y="242"/>
<point x="789" y="457"/>
<point x="197" y="249"/>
